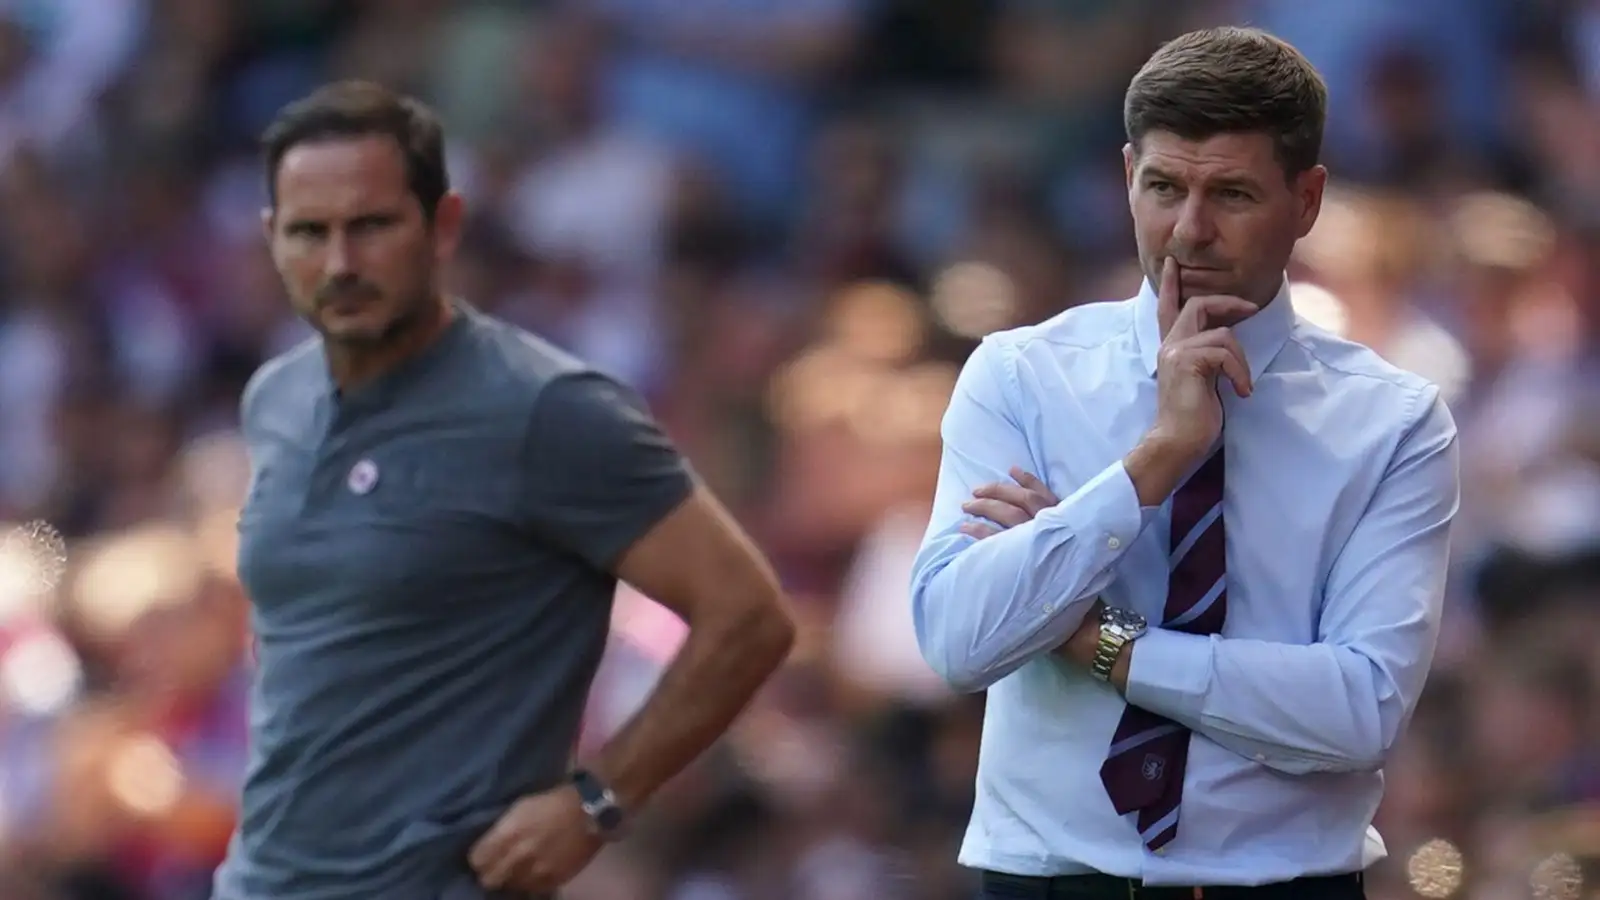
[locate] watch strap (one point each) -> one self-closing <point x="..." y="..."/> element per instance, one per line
<point x="599" y="803"/>
<point x="1112" y="640"/>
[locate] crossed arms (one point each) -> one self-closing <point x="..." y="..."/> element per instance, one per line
<point x="983" y="608"/>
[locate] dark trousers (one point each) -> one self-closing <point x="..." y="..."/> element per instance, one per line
<point x="997" y="886"/>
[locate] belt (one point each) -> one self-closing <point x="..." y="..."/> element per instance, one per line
<point x="1110" y="887"/>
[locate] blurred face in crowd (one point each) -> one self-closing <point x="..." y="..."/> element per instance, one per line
<point x="1223" y="207"/>
<point x="358" y="256"/>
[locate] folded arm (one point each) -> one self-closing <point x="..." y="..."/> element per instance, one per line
<point x="1339" y="704"/>
<point x="984" y="608"/>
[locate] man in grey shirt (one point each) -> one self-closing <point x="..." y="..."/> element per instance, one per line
<point x="439" y="512"/>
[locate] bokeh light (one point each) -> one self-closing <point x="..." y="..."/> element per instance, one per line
<point x="40" y="674"/>
<point x="972" y="299"/>
<point x="128" y="573"/>
<point x="144" y="776"/>
<point x="1435" y="870"/>
<point x="1557" y="877"/>
<point x="33" y="557"/>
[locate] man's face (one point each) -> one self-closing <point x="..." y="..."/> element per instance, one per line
<point x="1222" y="208"/>
<point x="356" y="254"/>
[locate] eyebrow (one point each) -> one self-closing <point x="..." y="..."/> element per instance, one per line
<point x="1224" y="181"/>
<point x="377" y="215"/>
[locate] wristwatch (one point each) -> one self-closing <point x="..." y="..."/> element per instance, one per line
<point x="606" y="818"/>
<point x="1118" y="627"/>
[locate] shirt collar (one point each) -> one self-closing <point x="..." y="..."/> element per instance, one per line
<point x="1261" y="336"/>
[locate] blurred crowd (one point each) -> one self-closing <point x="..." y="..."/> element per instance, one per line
<point x="787" y="222"/>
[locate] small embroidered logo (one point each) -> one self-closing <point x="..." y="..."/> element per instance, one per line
<point x="1153" y="767"/>
<point x="363" y="477"/>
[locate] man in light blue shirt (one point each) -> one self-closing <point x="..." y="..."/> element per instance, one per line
<point x="1198" y="657"/>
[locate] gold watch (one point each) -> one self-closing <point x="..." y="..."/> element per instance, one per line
<point x="1118" y="628"/>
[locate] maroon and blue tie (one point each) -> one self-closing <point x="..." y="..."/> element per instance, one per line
<point x="1145" y="766"/>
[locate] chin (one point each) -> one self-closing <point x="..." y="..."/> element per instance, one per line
<point x="357" y="330"/>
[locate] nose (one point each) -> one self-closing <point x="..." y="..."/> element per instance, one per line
<point x="337" y="261"/>
<point x="1194" y="229"/>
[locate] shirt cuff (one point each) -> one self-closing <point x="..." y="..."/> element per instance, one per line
<point x="1169" y="673"/>
<point x="1104" y="513"/>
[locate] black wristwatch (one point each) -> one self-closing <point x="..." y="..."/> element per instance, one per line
<point x="606" y="817"/>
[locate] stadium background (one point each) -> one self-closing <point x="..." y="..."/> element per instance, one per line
<point x="786" y="221"/>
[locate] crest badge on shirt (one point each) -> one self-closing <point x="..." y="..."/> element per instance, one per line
<point x="363" y="477"/>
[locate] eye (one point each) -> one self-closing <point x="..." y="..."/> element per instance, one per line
<point x="306" y="231"/>
<point x="371" y="223"/>
<point x="1164" y="189"/>
<point x="1234" y="194"/>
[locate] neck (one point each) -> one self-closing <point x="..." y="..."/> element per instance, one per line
<point x="1268" y="295"/>
<point x="354" y="364"/>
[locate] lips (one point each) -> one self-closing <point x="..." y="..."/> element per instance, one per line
<point x="346" y="303"/>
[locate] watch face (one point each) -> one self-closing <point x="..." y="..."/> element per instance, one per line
<point x="1125" y="619"/>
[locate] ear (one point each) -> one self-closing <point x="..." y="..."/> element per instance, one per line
<point x="269" y="224"/>
<point x="1308" y="191"/>
<point x="449" y="220"/>
<point x="1129" y="157"/>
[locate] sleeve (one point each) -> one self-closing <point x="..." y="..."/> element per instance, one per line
<point x="250" y="397"/>
<point x="1337" y="705"/>
<point x="250" y="414"/>
<point x="981" y="609"/>
<point x="597" y="471"/>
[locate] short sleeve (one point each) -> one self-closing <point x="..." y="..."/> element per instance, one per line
<point x="597" y="470"/>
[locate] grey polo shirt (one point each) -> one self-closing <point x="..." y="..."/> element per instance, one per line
<point x="429" y="562"/>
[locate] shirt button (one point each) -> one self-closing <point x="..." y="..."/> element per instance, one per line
<point x="1261" y="757"/>
<point x="1114" y="542"/>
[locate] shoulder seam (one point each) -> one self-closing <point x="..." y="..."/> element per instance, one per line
<point x="1399" y="382"/>
<point x="1033" y="334"/>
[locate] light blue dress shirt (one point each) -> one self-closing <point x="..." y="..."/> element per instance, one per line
<point x="1341" y="486"/>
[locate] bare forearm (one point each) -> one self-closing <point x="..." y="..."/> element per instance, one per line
<point x="715" y="674"/>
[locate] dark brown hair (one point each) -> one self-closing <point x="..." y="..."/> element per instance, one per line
<point x="352" y="109"/>
<point x="1231" y="80"/>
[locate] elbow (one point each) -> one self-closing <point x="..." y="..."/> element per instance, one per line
<point x="966" y="681"/>
<point x="958" y="671"/>
<point x="953" y="659"/>
<point x="1366" y="750"/>
<point x="1380" y="715"/>
<point x="1325" y="760"/>
<point x="1359" y="734"/>
<point x="1372" y="753"/>
<point x="1363" y="760"/>
<point x="765" y="632"/>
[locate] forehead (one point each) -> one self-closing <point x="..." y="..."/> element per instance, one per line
<point x="340" y="175"/>
<point x="1221" y="157"/>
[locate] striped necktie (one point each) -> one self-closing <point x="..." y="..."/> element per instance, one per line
<point x="1145" y="765"/>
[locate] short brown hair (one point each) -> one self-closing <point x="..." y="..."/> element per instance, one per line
<point x="350" y="109"/>
<point x="1231" y="80"/>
